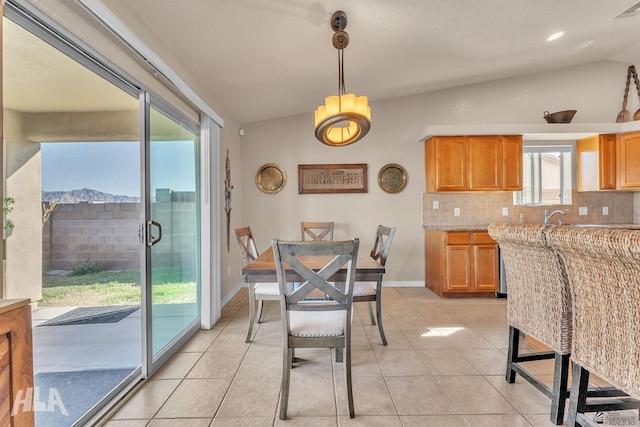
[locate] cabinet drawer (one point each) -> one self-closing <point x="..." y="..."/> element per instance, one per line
<point x="458" y="238"/>
<point x="482" y="238"/>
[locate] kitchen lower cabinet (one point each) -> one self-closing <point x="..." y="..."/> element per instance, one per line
<point x="461" y="263"/>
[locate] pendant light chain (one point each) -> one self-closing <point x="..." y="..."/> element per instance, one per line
<point x="341" y="86"/>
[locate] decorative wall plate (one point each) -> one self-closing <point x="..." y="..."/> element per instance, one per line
<point x="271" y="178"/>
<point x="392" y="178"/>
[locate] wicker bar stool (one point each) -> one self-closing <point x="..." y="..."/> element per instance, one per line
<point x="538" y="304"/>
<point x="603" y="267"/>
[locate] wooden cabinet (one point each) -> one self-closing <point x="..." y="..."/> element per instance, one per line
<point x="473" y="163"/>
<point x="461" y="263"/>
<point x="16" y="363"/>
<point x="596" y="162"/>
<point x="629" y="161"/>
<point x="446" y="163"/>
<point x="512" y="163"/>
<point x="485" y="163"/>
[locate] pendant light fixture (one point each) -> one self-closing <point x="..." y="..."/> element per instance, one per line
<point x="345" y="118"/>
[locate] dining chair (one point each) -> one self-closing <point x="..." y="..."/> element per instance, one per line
<point x="603" y="269"/>
<point x="315" y="323"/>
<point x="258" y="292"/>
<point x="316" y="230"/>
<point x="371" y="292"/>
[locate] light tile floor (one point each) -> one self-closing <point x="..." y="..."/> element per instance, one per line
<point x="444" y="366"/>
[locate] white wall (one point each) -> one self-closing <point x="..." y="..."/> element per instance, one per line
<point x="595" y="90"/>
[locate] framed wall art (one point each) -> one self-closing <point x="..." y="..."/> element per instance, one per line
<point x="338" y="178"/>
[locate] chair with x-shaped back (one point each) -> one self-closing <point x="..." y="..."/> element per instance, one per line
<point x="372" y="291"/>
<point x="316" y="230"/>
<point x="258" y="292"/>
<point x="315" y="323"/>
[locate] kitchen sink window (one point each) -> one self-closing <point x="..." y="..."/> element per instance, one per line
<point x="547" y="173"/>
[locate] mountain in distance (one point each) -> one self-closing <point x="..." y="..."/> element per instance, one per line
<point x="86" y="195"/>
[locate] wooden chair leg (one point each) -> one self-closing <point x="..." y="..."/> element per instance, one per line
<point x="512" y="353"/>
<point x="347" y="367"/>
<point x="287" y="358"/>
<point x="371" y="318"/>
<point x="252" y="312"/>
<point x="560" y="391"/>
<point x="578" y="398"/>
<point x="259" y="313"/>
<point x="379" y="316"/>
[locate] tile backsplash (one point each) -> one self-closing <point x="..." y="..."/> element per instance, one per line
<point x="484" y="208"/>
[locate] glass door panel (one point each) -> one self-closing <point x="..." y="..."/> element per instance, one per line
<point x="173" y="229"/>
<point x="72" y="168"/>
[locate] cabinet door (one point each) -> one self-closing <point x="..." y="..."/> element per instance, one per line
<point x="588" y="163"/>
<point x="459" y="268"/>
<point x="485" y="267"/>
<point x="450" y="163"/>
<point x="629" y="160"/>
<point x="512" y="163"/>
<point x="485" y="163"/>
<point x="607" y="161"/>
<point x="5" y="380"/>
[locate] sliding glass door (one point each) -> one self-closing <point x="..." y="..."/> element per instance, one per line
<point x="172" y="230"/>
<point x="103" y="182"/>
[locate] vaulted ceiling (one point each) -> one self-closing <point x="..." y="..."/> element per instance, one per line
<point x="263" y="59"/>
<point x="271" y="58"/>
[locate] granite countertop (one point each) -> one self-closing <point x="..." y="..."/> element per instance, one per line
<point x="448" y="228"/>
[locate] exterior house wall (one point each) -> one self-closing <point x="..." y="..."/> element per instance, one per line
<point x="23" y="278"/>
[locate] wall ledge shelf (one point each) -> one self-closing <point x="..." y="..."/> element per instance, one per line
<point x="546" y="131"/>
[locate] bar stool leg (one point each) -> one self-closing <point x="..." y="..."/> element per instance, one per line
<point x="578" y="398"/>
<point x="560" y="391"/>
<point x="512" y="353"/>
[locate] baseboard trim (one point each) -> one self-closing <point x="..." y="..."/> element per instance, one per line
<point x="403" y="284"/>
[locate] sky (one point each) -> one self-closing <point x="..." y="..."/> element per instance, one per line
<point x="114" y="167"/>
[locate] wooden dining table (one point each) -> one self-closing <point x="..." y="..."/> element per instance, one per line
<point x="263" y="269"/>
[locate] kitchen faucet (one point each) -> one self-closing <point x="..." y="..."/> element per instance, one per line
<point x="548" y="216"/>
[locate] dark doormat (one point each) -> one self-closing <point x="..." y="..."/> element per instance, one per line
<point x="86" y="315"/>
<point x="65" y="396"/>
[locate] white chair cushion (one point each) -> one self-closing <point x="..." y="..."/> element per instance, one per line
<point x="317" y="323"/>
<point x="267" y="289"/>
<point x="361" y="289"/>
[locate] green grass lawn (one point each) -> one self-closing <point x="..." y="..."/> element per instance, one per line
<point x="116" y="288"/>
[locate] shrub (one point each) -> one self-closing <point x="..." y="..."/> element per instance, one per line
<point x="87" y="267"/>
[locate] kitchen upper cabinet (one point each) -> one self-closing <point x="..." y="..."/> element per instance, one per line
<point x="473" y="163"/>
<point x="512" y="163"/>
<point x="485" y="163"/>
<point x="446" y="163"/>
<point x="629" y="160"/>
<point x="596" y="162"/>
<point x="461" y="263"/>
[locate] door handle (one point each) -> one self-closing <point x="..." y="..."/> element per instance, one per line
<point x="153" y="240"/>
